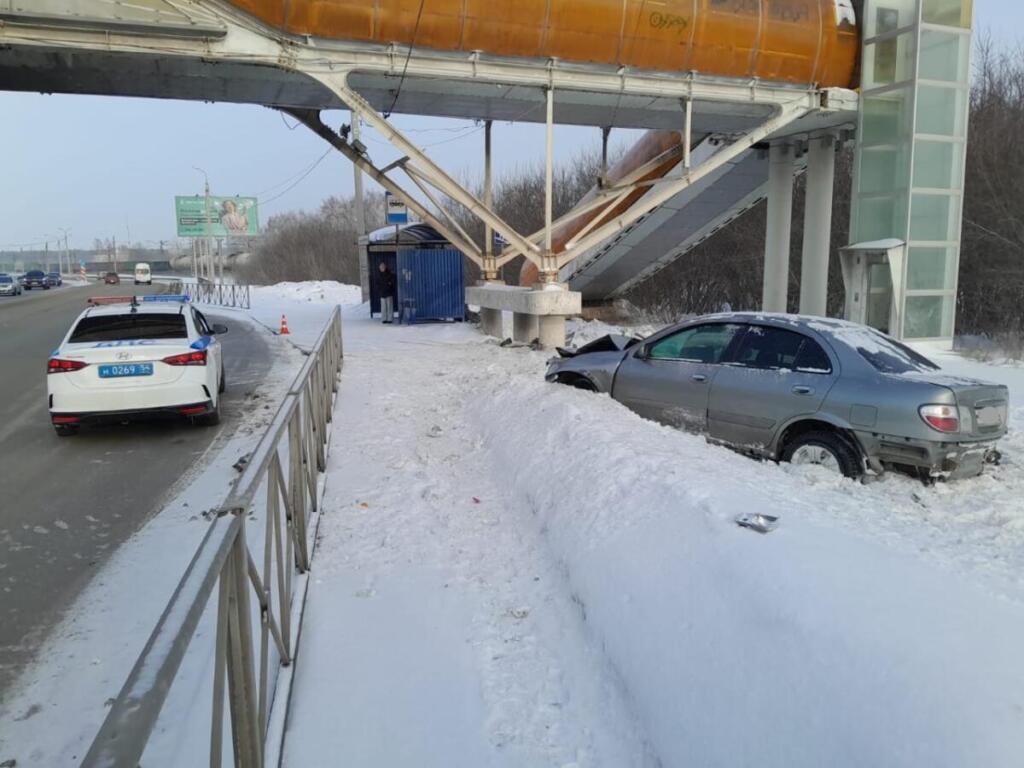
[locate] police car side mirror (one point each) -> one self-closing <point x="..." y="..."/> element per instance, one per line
<point x="218" y="329"/>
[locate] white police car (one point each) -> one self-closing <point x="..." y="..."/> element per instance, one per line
<point x="124" y="358"/>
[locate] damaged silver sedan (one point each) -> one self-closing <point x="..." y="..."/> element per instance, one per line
<point x="800" y="389"/>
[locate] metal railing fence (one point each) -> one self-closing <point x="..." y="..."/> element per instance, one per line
<point x="223" y="294"/>
<point x="219" y="294"/>
<point x="285" y="465"/>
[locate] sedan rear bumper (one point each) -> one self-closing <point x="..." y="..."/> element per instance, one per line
<point x="138" y="414"/>
<point x="948" y="460"/>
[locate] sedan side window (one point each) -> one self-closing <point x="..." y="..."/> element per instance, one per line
<point x="201" y="325"/>
<point x="699" y="344"/>
<point x="777" y="349"/>
<point x="812" y="358"/>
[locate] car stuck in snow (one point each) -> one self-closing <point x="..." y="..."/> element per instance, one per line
<point x="806" y="390"/>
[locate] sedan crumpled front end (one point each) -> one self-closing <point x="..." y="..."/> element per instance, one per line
<point x="591" y="366"/>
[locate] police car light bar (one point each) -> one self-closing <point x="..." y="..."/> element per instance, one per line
<point x="98" y="300"/>
<point x="168" y="297"/>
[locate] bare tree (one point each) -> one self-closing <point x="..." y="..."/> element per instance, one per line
<point x="991" y="287"/>
<point x="321" y="245"/>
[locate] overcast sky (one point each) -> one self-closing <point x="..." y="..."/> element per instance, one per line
<point x="107" y="167"/>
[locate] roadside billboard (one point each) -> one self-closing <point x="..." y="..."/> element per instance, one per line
<point x="228" y="216"/>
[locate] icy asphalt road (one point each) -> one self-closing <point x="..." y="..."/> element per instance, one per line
<point x="67" y="503"/>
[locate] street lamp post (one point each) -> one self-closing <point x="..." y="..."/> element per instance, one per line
<point x="209" y="232"/>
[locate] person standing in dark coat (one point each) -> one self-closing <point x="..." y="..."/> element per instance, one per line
<point x="387" y="293"/>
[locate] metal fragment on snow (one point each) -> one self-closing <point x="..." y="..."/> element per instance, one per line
<point x="756" y="521"/>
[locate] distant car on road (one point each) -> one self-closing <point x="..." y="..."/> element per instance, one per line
<point x="111" y="278"/>
<point x="143" y="275"/>
<point x="54" y="279"/>
<point x="35" y="278"/>
<point x="9" y="286"/>
<point x="124" y="359"/>
<point x="800" y="389"/>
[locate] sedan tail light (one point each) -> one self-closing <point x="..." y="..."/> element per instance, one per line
<point x="56" y="365"/>
<point x="942" y="418"/>
<point x="188" y="358"/>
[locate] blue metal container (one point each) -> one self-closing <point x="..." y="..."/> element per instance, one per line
<point x="431" y="285"/>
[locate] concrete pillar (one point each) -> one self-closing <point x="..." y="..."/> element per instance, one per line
<point x="821" y="170"/>
<point x="525" y="328"/>
<point x="551" y="331"/>
<point x="491" y="322"/>
<point x="781" y="165"/>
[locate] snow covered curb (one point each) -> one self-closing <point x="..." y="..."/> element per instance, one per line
<point x="815" y="645"/>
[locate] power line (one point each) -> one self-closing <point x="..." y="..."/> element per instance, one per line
<point x="408" y="55"/>
<point x="636" y="28"/>
<point x="299" y="180"/>
<point x="305" y="171"/>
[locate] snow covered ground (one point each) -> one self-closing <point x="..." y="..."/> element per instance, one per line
<point x="513" y="573"/>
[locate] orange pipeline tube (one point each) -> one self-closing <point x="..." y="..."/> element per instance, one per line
<point x="797" y="41"/>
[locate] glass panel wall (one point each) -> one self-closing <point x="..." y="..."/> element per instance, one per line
<point x="949" y="13"/>
<point x="910" y="150"/>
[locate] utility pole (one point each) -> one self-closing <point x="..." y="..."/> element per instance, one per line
<point x="113" y="257"/>
<point x="67" y="249"/>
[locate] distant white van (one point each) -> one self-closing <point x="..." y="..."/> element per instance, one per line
<point x="142" y="274"/>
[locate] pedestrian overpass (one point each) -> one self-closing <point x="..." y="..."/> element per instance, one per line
<point x="737" y="99"/>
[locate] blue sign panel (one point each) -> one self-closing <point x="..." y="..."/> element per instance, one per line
<point x="395" y="210"/>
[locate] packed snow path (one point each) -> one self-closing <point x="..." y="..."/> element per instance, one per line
<point x="439" y="630"/>
<point x="515" y="574"/>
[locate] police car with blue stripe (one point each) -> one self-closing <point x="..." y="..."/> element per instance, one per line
<point x="127" y="357"/>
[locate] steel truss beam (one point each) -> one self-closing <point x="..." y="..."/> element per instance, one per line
<point x="311" y="119"/>
<point x="244" y="41"/>
<point x="537" y="247"/>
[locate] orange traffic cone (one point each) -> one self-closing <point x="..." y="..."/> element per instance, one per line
<point x="284" y="326"/>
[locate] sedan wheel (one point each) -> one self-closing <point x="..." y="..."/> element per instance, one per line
<point x="815" y="454"/>
<point x="825" y="449"/>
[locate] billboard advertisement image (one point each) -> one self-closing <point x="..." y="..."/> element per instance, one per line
<point x="228" y="216"/>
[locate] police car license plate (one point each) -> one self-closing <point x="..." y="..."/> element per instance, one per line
<point x="127" y="369"/>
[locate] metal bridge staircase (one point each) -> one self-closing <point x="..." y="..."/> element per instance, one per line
<point x="671" y="231"/>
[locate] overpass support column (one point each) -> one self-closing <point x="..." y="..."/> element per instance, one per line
<point x="821" y="168"/>
<point x="781" y="165"/>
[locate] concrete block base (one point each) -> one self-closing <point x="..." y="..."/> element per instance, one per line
<point x="525" y="328"/>
<point x="537" y="313"/>
<point x="551" y="331"/>
<point x="491" y="322"/>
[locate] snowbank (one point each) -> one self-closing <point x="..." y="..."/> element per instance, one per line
<point x="879" y="625"/>
<point x="514" y="573"/>
<point x="318" y="291"/>
<point x="306" y="306"/>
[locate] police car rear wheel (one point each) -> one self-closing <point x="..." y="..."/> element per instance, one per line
<point x="210" y="419"/>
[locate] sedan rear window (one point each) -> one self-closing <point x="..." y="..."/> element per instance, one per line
<point x="129" y="327"/>
<point x="885" y="355"/>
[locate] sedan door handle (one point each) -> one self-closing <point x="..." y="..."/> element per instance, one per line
<point x="800" y="389"/>
<point x="699" y="377"/>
